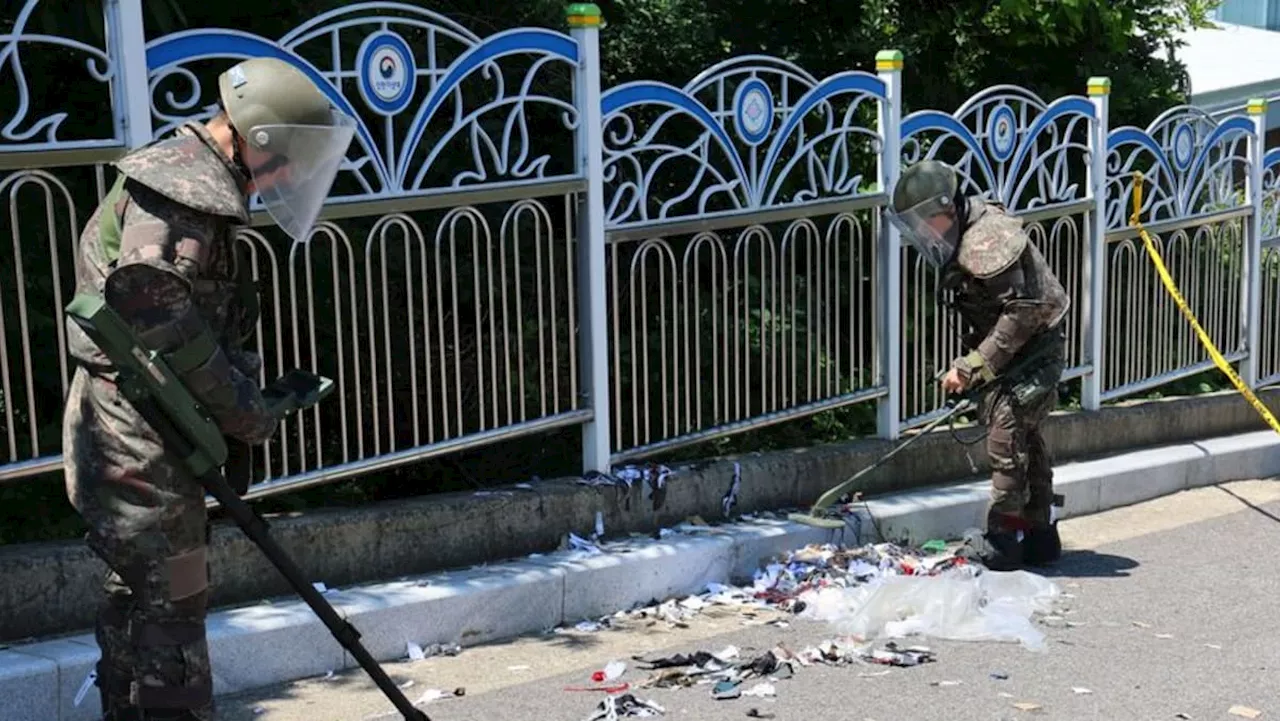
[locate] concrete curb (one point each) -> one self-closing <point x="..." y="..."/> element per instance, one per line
<point x="282" y="640"/>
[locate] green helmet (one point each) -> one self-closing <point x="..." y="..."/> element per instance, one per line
<point x="925" y="191"/>
<point x="279" y="111"/>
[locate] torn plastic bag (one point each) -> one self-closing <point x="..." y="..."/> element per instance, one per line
<point x="955" y="605"/>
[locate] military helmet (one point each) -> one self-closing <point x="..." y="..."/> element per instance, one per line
<point x="280" y="112"/>
<point x="925" y="191"/>
<point x="923" y="181"/>
<point x="269" y="91"/>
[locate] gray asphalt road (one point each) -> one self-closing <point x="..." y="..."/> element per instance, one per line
<point x="1173" y="613"/>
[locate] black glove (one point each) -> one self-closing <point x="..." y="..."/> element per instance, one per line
<point x="239" y="466"/>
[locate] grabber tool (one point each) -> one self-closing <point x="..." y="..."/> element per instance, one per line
<point x="819" y="515"/>
<point x="190" y="433"/>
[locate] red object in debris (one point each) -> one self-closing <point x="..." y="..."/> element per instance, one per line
<point x="606" y="689"/>
<point x="598" y="676"/>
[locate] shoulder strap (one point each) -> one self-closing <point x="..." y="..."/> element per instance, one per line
<point x="111" y="219"/>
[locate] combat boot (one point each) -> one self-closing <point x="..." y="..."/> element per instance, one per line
<point x="1042" y="545"/>
<point x="999" y="550"/>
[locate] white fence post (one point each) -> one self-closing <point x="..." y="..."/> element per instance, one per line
<point x="1094" y="307"/>
<point x="1251" y="309"/>
<point x="889" y="407"/>
<point x="127" y="46"/>
<point x="593" y="338"/>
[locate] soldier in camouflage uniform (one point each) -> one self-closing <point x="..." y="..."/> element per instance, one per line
<point x="1013" y="307"/>
<point x="161" y="250"/>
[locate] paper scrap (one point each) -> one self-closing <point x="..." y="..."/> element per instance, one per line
<point x="1080" y="690"/>
<point x="1244" y="711"/>
<point x="763" y="690"/>
<point x="1027" y="706"/>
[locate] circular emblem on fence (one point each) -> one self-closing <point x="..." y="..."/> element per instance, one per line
<point x="387" y="72"/>
<point x="753" y="111"/>
<point x="1002" y="133"/>
<point x="1184" y="146"/>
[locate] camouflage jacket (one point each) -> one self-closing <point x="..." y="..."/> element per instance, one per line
<point x="1004" y="291"/>
<point x="171" y="273"/>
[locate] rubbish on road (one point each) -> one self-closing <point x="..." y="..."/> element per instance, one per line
<point x="945" y="684"/>
<point x="937" y="545"/>
<point x="1027" y="706"/>
<point x="906" y="658"/>
<point x="611" y="672"/>
<point x="1183" y="715"/>
<point x="1080" y="690"/>
<point x="1244" y="711"/>
<point x="619" y="688"/>
<point x="961" y="604"/>
<point x="418" y="653"/>
<point x="1140" y="624"/>
<point x="762" y="690"/>
<point x="1000" y="675"/>
<point x="435" y="694"/>
<point x="624" y="706"/>
<point x="757" y="713"/>
<point x="726" y="690"/>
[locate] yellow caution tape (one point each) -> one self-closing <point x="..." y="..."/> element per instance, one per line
<point x="1169" y="285"/>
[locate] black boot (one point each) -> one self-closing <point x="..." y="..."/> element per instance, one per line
<point x="1042" y="545"/>
<point x="997" y="550"/>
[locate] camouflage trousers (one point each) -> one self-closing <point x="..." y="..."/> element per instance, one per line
<point x="147" y="521"/>
<point x="1021" y="469"/>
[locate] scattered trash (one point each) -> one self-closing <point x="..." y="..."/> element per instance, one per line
<point x="1079" y="690"/>
<point x="960" y="603"/>
<point x="726" y="690"/>
<point x="521" y="667"/>
<point x="763" y="690"/>
<point x="1000" y="675"/>
<point x="418" y="653"/>
<point x="1027" y="706"/>
<point x="1244" y="711"/>
<point x="1164" y="635"/>
<point x="626" y="705"/>
<point x="1140" y="624"/>
<point x="1214" y="646"/>
<point x="611" y="671"/>
<point x="945" y="683"/>
<point x="258" y="710"/>
<point x="731" y="496"/>
<point x="435" y="694"/>
<point x="1182" y="715"/>
<point x="756" y="713"/>
<point x="934" y="546"/>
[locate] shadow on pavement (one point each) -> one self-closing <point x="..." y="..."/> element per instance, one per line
<point x="1244" y="501"/>
<point x="1084" y="563"/>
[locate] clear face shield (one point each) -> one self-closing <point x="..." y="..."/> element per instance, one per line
<point x="930" y="227"/>
<point x="302" y="163"/>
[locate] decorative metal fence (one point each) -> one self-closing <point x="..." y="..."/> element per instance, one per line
<point x="508" y="249"/>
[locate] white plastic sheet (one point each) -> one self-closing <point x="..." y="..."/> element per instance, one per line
<point x="957" y="604"/>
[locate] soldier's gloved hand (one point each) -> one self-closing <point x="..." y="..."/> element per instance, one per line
<point x="239" y="466"/>
<point x="246" y="362"/>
